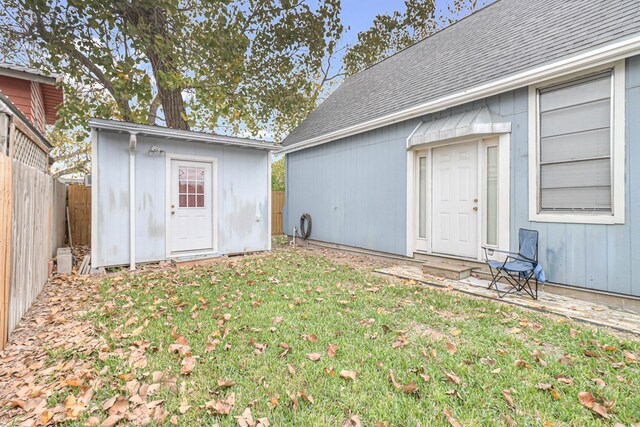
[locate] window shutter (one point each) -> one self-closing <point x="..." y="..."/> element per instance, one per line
<point x="575" y="145"/>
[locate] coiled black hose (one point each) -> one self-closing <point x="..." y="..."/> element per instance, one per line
<point x="305" y="226"/>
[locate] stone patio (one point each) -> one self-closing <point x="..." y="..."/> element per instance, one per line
<point x="571" y="308"/>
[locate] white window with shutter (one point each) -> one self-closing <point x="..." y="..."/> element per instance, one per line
<point x="577" y="148"/>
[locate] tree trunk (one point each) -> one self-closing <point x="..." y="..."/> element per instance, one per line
<point x="152" y="21"/>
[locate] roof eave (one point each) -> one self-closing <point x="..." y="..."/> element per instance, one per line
<point x="159" y="131"/>
<point x="603" y="54"/>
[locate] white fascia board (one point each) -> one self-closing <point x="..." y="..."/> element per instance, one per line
<point x="148" y="130"/>
<point x="591" y="58"/>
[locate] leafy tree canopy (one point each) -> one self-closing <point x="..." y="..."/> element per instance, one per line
<point x="250" y="65"/>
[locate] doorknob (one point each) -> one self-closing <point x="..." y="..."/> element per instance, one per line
<point x="475" y="208"/>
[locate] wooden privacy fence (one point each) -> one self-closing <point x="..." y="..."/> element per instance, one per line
<point x="79" y="203"/>
<point x="5" y="245"/>
<point x="31" y="227"/>
<point x="277" y="206"/>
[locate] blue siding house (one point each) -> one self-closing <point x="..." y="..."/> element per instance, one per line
<point x="526" y="114"/>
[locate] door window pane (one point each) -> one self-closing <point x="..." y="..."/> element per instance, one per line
<point x="492" y="195"/>
<point x="422" y="198"/>
<point x="191" y="187"/>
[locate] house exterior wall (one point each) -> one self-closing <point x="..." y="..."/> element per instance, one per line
<point x="19" y="92"/>
<point x="355" y="190"/>
<point x="242" y="186"/>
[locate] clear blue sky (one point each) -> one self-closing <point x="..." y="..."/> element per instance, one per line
<point x="359" y="14"/>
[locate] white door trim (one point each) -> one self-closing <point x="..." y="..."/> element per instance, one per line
<point x="214" y="211"/>
<point x="504" y="189"/>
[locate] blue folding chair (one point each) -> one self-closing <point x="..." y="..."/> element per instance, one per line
<point x="518" y="270"/>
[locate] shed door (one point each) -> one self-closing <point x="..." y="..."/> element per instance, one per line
<point x="191" y="209"/>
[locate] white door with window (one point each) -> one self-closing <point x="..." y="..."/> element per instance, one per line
<point x="191" y="207"/>
<point x="455" y="200"/>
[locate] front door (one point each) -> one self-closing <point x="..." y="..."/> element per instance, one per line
<point x="455" y="200"/>
<point x="191" y="202"/>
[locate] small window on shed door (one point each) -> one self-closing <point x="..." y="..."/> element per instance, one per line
<point x="191" y="187"/>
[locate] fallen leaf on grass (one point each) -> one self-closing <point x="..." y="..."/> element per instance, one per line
<point x="188" y="363"/>
<point x="348" y="375"/>
<point x="410" y="388"/>
<point x="451" y="348"/>
<point x="599" y="382"/>
<point x="222" y="383"/>
<point x="221" y="407"/>
<point x="455" y="332"/>
<point x="352" y="421"/>
<point x="453" y="378"/>
<point x="587" y="399"/>
<point x="331" y="350"/>
<point x="311" y="338"/>
<point x="450" y="418"/>
<point x="314" y="357"/>
<point x="306" y="397"/>
<point x="291" y="369"/>
<point x="507" y="396"/>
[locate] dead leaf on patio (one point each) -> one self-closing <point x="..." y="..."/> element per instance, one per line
<point x="507" y="396"/>
<point x="331" y="350"/>
<point x="222" y="383"/>
<point x="451" y="348"/>
<point x="314" y="357"/>
<point x="587" y="399"/>
<point x="450" y="418"/>
<point x="188" y="363"/>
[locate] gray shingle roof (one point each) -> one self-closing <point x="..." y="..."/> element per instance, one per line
<point x="505" y="38"/>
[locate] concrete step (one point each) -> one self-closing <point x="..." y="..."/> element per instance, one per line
<point x="449" y="270"/>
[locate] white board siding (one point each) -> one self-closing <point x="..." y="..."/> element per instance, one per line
<point x="242" y="188"/>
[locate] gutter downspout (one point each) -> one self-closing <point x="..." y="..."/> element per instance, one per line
<point x="133" y="140"/>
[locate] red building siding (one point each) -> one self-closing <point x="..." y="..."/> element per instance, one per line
<point x="19" y="92"/>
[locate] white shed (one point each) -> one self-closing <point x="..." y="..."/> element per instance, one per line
<point x="160" y="193"/>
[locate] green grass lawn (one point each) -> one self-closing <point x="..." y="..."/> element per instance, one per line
<point x="255" y="323"/>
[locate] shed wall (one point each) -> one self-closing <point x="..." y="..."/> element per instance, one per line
<point x="355" y="190"/>
<point x="242" y="188"/>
